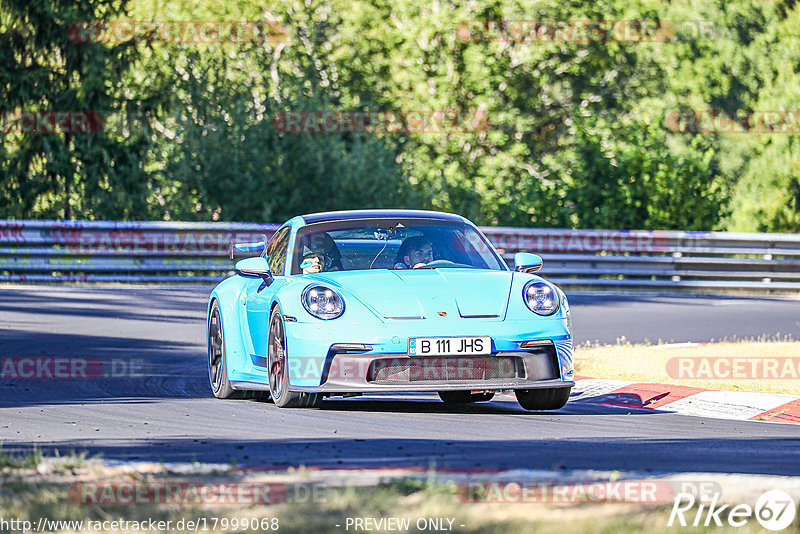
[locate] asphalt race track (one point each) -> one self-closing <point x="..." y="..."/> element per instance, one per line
<point x="151" y="400"/>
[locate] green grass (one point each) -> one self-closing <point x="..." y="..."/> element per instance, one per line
<point x="649" y="363"/>
<point x="35" y="457"/>
<point x="29" y="460"/>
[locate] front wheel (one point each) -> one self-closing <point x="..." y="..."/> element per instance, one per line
<point x="277" y="364"/>
<point x="465" y="397"/>
<point x="543" y="399"/>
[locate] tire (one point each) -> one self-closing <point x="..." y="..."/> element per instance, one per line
<point x="543" y="399"/>
<point x="464" y="397"/>
<point x="217" y="368"/>
<point x="217" y="362"/>
<point x="279" y="370"/>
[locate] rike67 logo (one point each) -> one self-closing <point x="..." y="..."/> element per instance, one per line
<point x="774" y="510"/>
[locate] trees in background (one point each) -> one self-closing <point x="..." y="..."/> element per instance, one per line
<point x="577" y="131"/>
<point x="43" y="69"/>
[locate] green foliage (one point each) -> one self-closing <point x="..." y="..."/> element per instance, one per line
<point x="70" y="175"/>
<point x="622" y="175"/>
<point x="227" y="160"/>
<point x="577" y="132"/>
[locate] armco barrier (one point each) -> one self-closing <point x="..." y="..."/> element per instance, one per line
<point x="97" y="251"/>
<point x="106" y="251"/>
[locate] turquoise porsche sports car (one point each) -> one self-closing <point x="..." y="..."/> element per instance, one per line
<point x="353" y="302"/>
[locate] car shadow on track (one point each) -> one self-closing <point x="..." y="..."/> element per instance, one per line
<point x="772" y="456"/>
<point x="178" y="305"/>
<point x="50" y="368"/>
<point x="505" y="405"/>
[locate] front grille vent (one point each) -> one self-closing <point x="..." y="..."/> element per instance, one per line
<point x="445" y="369"/>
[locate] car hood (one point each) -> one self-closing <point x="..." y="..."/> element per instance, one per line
<point x="407" y="294"/>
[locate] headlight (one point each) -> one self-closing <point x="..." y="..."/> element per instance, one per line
<point x="322" y="302"/>
<point x="540" y="297"/>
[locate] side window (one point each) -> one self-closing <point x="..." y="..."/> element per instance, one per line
<point x="276" y="251"/>
<point x="479" y="246"/>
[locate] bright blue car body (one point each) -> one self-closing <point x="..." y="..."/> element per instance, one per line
<point x="383" y="310"/>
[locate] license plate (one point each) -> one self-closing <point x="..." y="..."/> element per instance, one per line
<point x="449" y="346"/>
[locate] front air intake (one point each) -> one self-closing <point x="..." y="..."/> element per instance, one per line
<point x="445" y="369"/>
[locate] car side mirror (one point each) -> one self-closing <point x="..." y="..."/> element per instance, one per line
<point x="259" y="246"/>
<point x="256" y="266"/>
<point x="527" y="263"/>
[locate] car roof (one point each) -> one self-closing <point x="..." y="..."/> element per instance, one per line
<point x="349" y="215"/>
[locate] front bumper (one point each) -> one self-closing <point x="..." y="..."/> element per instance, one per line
<point x="444" y="386"/>
<point x="347" y="371"/>
<point x="311" y="358"/>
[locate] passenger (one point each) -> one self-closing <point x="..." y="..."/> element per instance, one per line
<point x="312" y="263"/>
<point x="415" y="252"/>
<point x="323" y="245"/>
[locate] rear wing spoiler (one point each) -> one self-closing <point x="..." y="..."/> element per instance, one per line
<point x="245" y="248"/>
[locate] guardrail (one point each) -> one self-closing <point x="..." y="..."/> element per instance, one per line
<point x="103" y="251"/>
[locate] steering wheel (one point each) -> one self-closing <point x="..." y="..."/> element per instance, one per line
<point x="438" y="263"/>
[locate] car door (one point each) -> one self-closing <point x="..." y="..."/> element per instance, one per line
<point x="258" y="296"/>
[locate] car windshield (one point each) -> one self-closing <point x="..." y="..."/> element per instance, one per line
<point x="392" y="244"/>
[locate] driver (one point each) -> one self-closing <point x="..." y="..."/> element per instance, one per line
<point x="415" y="252"/>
